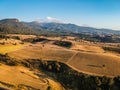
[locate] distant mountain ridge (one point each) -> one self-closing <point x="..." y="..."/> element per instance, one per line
<point x="16" y="26"/>
<point x="52" y="26"/>
<point x="77" y="29"/>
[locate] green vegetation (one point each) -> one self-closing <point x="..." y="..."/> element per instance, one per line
<point x="63" y="43"/>
<point x="34" y="40"/>
<point x="5" y="59"/>
<point x="4" y="36"/>
<point x="98" y="38"/>
<point x="15" y="37"/>
<point x="10" y="26"/>
<point x="14" y="26"/>
<point x="74" y="80"/>
<point x="112" y="49"/>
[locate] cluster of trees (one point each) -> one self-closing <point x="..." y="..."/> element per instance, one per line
<point x="13" y="26"/>
<point x="98" y="38"/>
<point x="112" y="49"/>
<point x="7" y="60"/>
<point x="107" y="38"/>
<point x="15" y="30"/>
<point x="68" y="77"/>
<point x="67" y="44"/>
<point x="74" y="80"/>
<point x="4" y="36"/>
<point x="34" y="40"/>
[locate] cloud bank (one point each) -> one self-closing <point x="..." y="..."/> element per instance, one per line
<point x="49" y="19"/>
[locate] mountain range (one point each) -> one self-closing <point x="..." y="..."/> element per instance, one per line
<point x="34" y="27"/>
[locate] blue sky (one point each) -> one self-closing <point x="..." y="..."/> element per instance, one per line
<point x="95" y="13"/>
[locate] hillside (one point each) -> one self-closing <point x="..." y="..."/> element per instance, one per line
<point x="57" y="56"/>
<point x="47" y="74"/>
<point x="76" y="29"/>
<point x="82" y="55"/>
<point x="16" y="26"/>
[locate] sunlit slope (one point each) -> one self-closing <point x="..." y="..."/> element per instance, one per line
<point x="87" y="48"/>
<point x="96" y="63"/>
<point x="21" y="78"/>
<point x="48" y="52"/>
<point x="9" y="48"/>
<point x="9" y="45"/>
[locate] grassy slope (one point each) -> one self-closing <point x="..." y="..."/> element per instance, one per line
<point x="19" y="75"/>
<point x="49" y="52"/>
<point x="98" y="63"/>
<point x="9" y="48"/>
<point x="91" y="58"/>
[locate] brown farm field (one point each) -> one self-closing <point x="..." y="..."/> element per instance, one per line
<point x="96" y="63"/>
<point x="83" y="56"/>
<point x="37" y="51"/>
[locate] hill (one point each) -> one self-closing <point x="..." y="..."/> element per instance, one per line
<point x="62" y="27"/>
<point x="15" y="26"/>
<point x="44" y="74"/>
<point x="55" y="63"/>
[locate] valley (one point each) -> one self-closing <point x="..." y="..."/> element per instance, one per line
<point x="59" y="44"/>
<point x="82" y="55"/>
<point x="85" y="57"/>
<point x="52" y="56"/>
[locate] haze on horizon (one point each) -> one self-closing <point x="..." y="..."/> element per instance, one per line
<point x="94" y="13"/>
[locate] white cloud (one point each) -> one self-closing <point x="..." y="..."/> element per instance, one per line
<point x="49" y="19"/>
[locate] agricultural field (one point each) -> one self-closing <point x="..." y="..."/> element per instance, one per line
<point x="83" y="56"/>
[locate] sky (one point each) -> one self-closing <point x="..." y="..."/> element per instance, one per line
<point x="93" y="13"/>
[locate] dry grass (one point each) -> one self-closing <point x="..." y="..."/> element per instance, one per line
<point x="48" y="52"/>
<point x="22" y="36"/>
<point x="87" y="48"/>
<point x="55" y="85"/>
<point x="19" y="75"/>
<point x="9" y="48"/>
<point x="96" y="63"/>
<point x="90" y="57"/>
<point x="21" y="78"/>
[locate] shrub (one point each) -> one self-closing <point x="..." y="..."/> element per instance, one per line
<point x="63" y="43"/>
